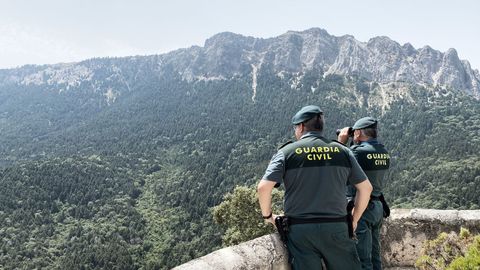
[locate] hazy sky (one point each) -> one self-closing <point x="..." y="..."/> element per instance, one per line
<point x="52" y="31"/>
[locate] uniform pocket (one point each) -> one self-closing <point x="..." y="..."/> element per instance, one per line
<point x="342" y="237"/>
<point x="344" y="242"/>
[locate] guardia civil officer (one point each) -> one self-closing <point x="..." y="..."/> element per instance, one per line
<point x="375" y="161"/>
<point x="315" y="171"/>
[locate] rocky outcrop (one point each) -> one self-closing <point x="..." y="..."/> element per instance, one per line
<point x="381" y="59"/>
<point x="266" y="252"/>
<point x="228" y="55"/>
<point x="402" y="237"/>
<point x="406" y="230"/>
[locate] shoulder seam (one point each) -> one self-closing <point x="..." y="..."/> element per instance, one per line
<point x="285" y="144"/>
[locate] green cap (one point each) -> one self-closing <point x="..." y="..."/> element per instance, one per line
<point x="366" y="122"/>
<point x="306" y="113"/>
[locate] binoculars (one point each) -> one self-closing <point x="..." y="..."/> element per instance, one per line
<point x="350" y="132"/>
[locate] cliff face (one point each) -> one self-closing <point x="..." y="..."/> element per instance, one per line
<point x="227" y="55"/>
<point x="402" y="237"/>
<point x="380" y="59"/>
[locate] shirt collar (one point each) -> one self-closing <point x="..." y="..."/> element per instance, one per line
<point x="312" y="134"/>
<point x="371" y="141"/>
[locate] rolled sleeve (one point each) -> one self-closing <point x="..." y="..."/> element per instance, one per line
<point x="357" y="175"/>
<point x="276" y="168"/>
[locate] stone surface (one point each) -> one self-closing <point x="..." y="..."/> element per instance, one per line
<point x="402" y="237"/>
<point x="405" y="231"/>
<point x="266" y="252"/>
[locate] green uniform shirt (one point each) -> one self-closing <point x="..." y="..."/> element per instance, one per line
<point x="315" y="172"/>
<point x="375" y="161"/>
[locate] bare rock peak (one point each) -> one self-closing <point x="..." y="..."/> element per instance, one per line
<point x="312" y="32"/>
<point x="226" y="37"/>
<point x="317" y="31"/>
<point x="381" y="39"/>
<point x="347" y="37"/>
<point x="228" y="54"/>
<point x="408" y="49"/>
<point x="452" y="55"/>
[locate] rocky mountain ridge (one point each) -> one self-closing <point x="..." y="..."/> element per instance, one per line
<point x="379" y="60"/>
<point x="228" y="55"/>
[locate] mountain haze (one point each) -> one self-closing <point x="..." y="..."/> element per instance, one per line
<point x="116" y="162"/>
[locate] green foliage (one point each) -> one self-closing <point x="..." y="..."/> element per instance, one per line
<point x="471" y="259"/>
<point x="435" y="147"/>
<point x="140" y="175"/>
<point x="240" y="214"/>
<point x="69" y="214"/>
<point x="451" y="251"/>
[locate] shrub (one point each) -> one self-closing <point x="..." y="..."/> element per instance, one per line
<point x="240" y="214"/>
<point x="451" y="251"/>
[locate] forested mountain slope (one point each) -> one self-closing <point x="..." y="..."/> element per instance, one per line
<point x="117" y="162"/>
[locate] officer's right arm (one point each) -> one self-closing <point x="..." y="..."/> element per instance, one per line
<point x="359" y="179"/>
<point x="272" y="178"/>
<point x="364" y="189"/>
<point x="264" y="190"/>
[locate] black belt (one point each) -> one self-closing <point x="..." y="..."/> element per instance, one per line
<point x="293" y="221"/>
<point x="386" y="209"/>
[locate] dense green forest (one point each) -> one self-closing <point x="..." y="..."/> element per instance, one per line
<point x="86" y="184"/>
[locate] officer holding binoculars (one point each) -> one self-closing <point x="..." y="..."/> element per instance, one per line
<point x="375" y="161"/>
<point x="315" y="172"/>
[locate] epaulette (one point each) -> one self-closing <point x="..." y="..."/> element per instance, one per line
<point x="338" y="142"/>
<point x="355" y="146"/>
<point x="285" y="144"/>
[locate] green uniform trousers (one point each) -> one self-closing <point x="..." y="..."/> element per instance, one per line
<point x="309" y="244"/>
<point x="368" y="234"/>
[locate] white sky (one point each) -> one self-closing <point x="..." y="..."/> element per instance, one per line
<point x="53" y="31"/>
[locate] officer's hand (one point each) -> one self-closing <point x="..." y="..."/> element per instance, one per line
<point x="354" y="225"/>
<point x="271" y="219"/>
<point x="343" y="135"/>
